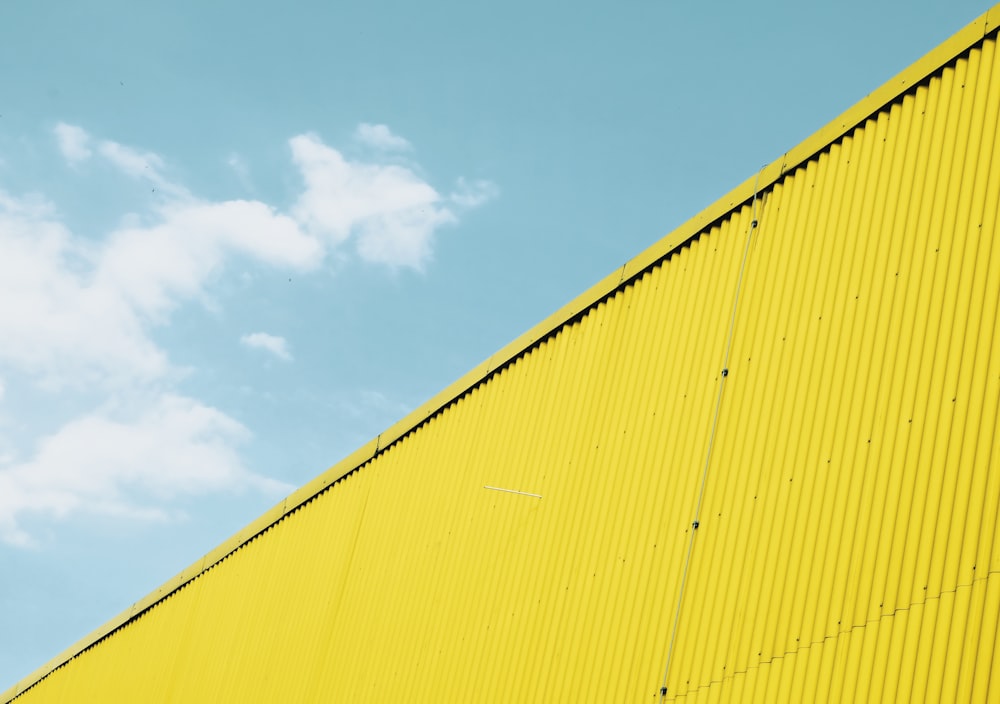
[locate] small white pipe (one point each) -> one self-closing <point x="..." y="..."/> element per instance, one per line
<point x="513" y="491"/>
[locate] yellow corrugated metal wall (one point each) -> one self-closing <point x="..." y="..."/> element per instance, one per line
<point x="846" y="547"/>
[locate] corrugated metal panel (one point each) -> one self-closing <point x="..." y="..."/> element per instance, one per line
<point x="851" y="522"/>
<point x="529" y="540"/>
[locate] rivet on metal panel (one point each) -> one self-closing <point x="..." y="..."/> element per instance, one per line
<point x="695" y="525"/>
<point x="725" y="372"/>
<point x="753" y="223"/>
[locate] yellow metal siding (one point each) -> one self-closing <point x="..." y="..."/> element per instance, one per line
<point x="846" y="548"/>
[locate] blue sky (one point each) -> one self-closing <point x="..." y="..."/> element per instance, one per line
<point x="238" y="240"/>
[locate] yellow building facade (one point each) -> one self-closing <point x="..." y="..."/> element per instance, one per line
<point x="758" y="463"/>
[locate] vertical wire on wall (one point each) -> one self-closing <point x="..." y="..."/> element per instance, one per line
<point x="711" y="438"/>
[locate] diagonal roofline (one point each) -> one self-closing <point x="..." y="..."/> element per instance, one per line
<point x="965" y="39"/>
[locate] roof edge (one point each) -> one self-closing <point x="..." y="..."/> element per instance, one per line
<point x="953" y="47"/>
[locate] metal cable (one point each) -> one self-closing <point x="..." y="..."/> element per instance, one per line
<point x="711" y="438"/>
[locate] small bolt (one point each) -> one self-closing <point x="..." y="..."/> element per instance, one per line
<point x="663" y="691"/>
<point x="695" y="525"/>
<point x="753" y="223"/>
<point x="725" y="372"/>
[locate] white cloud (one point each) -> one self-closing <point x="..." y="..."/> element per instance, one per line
<point x="380" y="137"/>
<point x="73" y="142"/>
<point x="57" y="326"/>
<point x="100" y="464"/>
<point x="402" y="237"/>
<point x="274" y="344"/>
<point x="78" y="315"/>
<point x="156" y="267"/>
<point x="393" y="212"/>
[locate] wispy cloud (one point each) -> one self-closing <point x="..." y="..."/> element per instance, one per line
<point x="380" y="137"/>
<point x="368" y="402"/>
<point x="133" y="162"/>
<point x="143" y="166"/>
<point x="473" y="194"/>
<point x="239" y="166"/>
<point x="73" y="142"/>
<point x="274" y="344"/>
